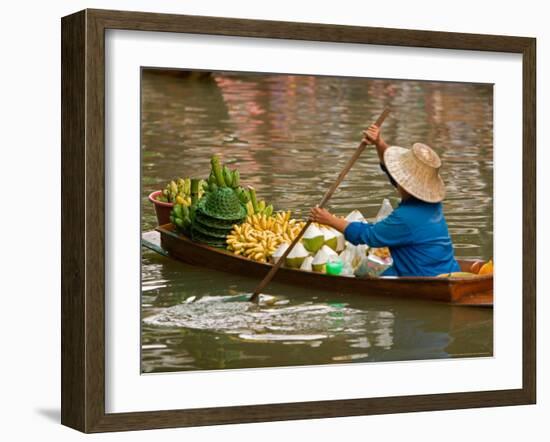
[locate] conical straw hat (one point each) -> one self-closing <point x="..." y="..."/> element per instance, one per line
<point x="417" y="171"/>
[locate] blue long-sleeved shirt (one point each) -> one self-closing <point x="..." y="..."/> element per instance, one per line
<point x="417" y="235"/>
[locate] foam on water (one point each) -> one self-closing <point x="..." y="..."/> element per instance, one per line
<point x="272" y="320"/>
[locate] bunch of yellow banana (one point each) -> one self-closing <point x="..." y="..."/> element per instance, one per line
<point x="260" y="235"/>
<point x="183" y="200"/>
<point x="179" y="191"/>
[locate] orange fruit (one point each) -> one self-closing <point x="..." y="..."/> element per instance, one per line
<point x="487" y="268"/>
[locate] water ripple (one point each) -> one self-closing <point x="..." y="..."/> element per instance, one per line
<point x="289" y="136"/>
<point x="304" y="322"/>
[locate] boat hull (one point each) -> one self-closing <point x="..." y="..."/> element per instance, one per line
<point x="476" y="291"/>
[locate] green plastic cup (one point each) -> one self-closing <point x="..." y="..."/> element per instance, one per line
<point x="335" y="266"/>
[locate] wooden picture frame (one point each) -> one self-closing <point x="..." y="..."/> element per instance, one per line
<point x="83" y="220"/>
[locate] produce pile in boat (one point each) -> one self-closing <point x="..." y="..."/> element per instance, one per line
<point x="322" y="249"/>
<point x="220" y="212"/>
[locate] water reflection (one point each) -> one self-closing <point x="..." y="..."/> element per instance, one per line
<point x="289" y="136"/>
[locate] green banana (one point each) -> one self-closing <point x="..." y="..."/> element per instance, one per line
<point x="217" y="171"/>
<point x="249" y="208"/>
<point x="236" y="179"/>
<point x="227" y="177"/>
<point x="243" y="197"/>
<point x="185" y="212"/>
<point x="253" y="199"/>
<point x="178" y="211"/>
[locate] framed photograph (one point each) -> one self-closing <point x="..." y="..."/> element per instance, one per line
<point x="268" y="221"/>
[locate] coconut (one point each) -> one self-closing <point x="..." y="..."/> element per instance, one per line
<point x="330" y="237"/>
<point x="313" y="238"/>
<point x="306" y="265"/>
<point x="296" y="256"/>
<point x="319" y="263"/>
<point x="340" y="240"/>
<point x="328" y="251"/>
<point x="354" y="216"/>
<point x="279" y="252"/>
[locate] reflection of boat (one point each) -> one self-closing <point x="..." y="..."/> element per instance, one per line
<point x="470" y="291"/>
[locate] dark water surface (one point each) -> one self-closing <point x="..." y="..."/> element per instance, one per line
<point x="290" y="136"/>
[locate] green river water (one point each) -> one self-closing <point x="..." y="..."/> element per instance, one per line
<point x="290" y="136"/>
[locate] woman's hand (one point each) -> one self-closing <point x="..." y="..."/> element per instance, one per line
<point x="323" y="216"/>
<point x="372" y="135"/>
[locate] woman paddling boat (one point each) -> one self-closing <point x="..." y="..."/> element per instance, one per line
<point x="416" y="231"/>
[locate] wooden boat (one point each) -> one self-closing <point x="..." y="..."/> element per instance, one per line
<point x="468" y="291"/>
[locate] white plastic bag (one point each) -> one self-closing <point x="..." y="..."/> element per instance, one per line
<point x="347" y="256"/>
<point x="352" y="256"/>
<point x="347" y="270"/>
<point x="372" y="266"/>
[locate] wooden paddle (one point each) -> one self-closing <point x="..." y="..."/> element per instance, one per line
<point x="256" y="295"/>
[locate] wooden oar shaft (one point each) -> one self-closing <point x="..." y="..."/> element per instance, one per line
<point x="267" y="279"/>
